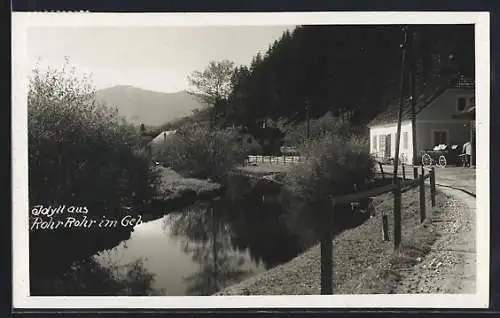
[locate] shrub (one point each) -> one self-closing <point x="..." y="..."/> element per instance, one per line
<point x="333" y="166"/>
<point x="295" y="135"/>
<point x="81" y="154"/>
<point x="199" y="152"/>
<point x="79" y="151"/>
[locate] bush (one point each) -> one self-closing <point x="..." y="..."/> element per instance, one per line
<point x="81" y="154"/>
<point x="333" y="166"/>
<point x="295" y="135"/>
<point x="199" y="152"/>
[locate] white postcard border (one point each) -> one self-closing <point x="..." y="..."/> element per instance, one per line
<point x="22" y="21"/>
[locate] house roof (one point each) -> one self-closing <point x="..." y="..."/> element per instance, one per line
<point x="164" y="134"/>
<point x="428" y="94"/>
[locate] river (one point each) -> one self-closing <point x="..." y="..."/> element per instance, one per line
<point x="195" y="250"/>
<point x="209" y="245"/>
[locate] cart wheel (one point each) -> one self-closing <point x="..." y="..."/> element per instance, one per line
<point x="426" y="160"/>
<point x="442" y="161"/>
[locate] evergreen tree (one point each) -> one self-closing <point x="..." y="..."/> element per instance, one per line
<point x="351" y="71"/>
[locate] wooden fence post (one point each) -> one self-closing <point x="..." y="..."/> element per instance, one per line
<point x="326" y="251"/>
<point x="381" y="170"/>
<point x="403" y="169"/>
<point x="422" y="198"/>
<point x="397" y="214"/>
<point x="385" y="227"/>
<point x="432" y="181"/>
<point x="415" y="173"/>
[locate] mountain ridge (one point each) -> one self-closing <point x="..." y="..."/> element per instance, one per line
<point x="138" y="105"/>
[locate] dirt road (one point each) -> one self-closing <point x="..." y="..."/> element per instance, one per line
<point x="451" y="265"/>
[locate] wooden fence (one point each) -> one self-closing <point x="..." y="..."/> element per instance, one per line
<point x="274" y="159"/>
<point x="398" y="187"/>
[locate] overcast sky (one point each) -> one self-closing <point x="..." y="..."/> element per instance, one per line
<point x="155" y="58"/>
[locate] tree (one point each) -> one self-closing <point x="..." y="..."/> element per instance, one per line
<point x="214" y="84"/>
<point x="344" y="69"/>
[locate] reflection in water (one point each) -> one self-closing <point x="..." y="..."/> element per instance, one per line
<point x="92" y="278"/>
<point x="195" y="251"/>
<point x="208" y="241"/>
<point x="210" y="245"/>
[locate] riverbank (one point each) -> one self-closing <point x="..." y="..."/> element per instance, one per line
<point x="363" y="262"/>
<point x="173" y="186"/>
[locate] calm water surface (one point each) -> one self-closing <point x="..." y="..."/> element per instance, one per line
<point x="210" y="245"/>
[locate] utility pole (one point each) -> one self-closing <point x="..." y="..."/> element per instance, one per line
<point x="413" y="98"/>
<point x="401" y="100"/>
<point x="307" y="119"/>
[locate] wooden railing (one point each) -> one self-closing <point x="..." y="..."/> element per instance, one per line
<point x="398" y="187"/>
<point x="274" y="159"/>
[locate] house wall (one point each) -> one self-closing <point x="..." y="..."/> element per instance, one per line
<point x="458" y="133"/>
<point x="379" y="130"/>
<point x="445" y="106"/>
<point x="438" y="116"/>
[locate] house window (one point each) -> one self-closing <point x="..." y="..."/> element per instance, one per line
<point x="381" y="143"/>
<point x="440" y="137"/>
<point x="461" y="104"/>
<point x="374" y="143"/>
<point x="405" y="140"/>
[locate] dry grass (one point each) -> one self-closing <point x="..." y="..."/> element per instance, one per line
<point x="383" y="273"/>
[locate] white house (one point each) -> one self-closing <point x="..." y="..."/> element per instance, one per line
<point x="436" y="109"/>
<point x="162" y="137"/>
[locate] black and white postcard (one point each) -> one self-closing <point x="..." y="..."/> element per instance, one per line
<point x="261" y="160"/>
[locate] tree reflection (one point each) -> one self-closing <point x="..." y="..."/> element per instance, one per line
<point x="208" y="239"/>
<point x="90" y="277"/>
<point x="259" y="226"/>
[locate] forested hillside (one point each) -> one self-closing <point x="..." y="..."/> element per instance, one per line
<point x="351" y="70"/>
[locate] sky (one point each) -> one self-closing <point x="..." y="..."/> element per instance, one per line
<point x="153" y="58"/>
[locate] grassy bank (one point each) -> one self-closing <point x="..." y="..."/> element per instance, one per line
<point x="263" y="168"/>
<point x="363" y="262"/>
<point x="172" y="185"/>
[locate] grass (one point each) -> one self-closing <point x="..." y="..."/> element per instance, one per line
<point x="383" y="278"/>
<point x="263" y="168"/>
<point x="172" y="185"/>
<point x="380" y="274"/>
<point x="363" y="262"/>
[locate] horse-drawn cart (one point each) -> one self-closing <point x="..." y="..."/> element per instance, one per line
<point x="442" y="155"/>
